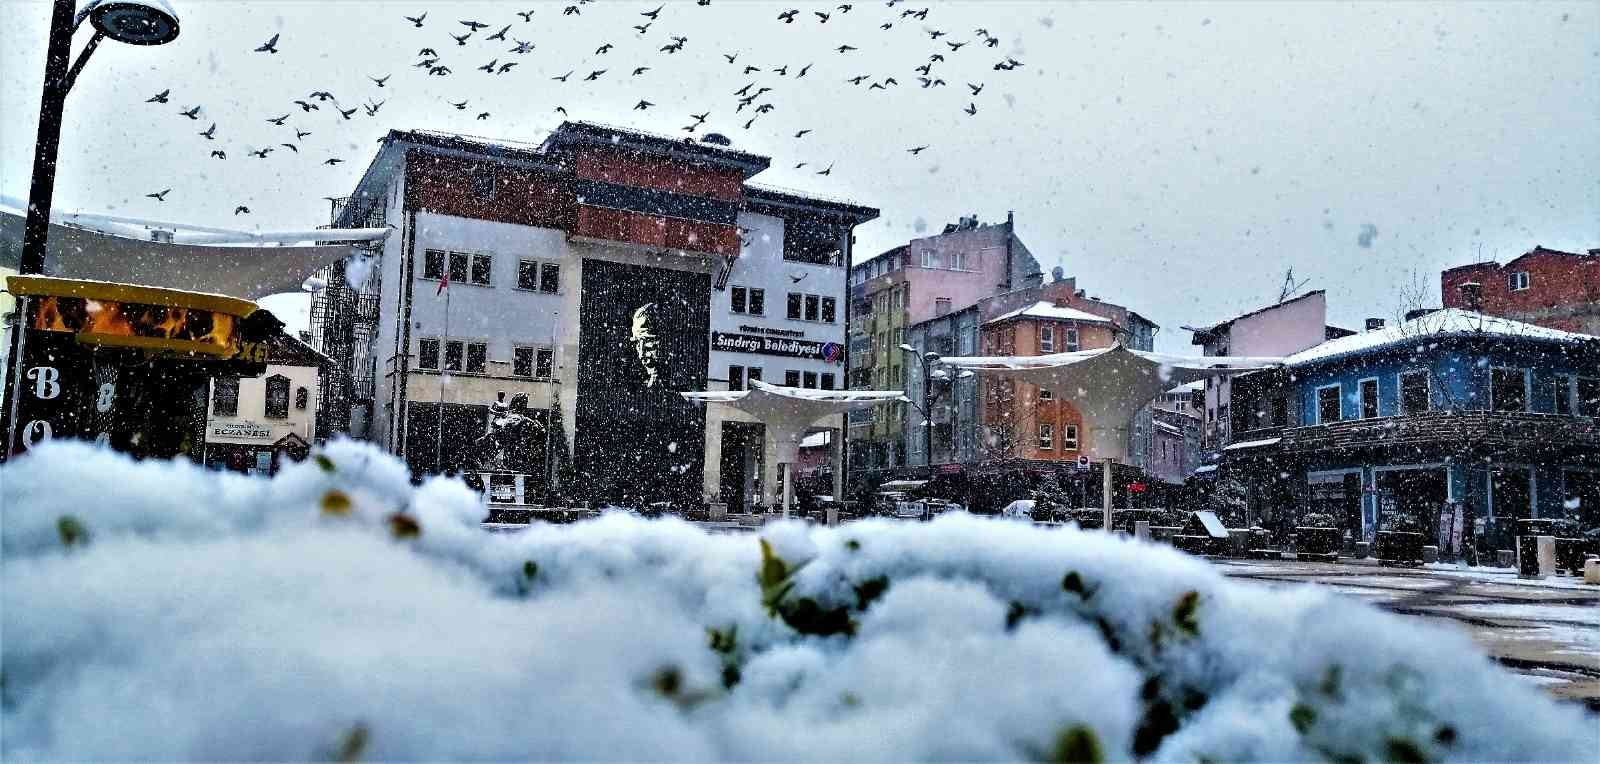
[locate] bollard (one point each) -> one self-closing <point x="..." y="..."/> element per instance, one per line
<point x="1430" y="554"/>
<point x="1505" y="558"/>
<point x="1545" y="548"/>
<point x="1591" y="570"/>
<point x="1141" y="530"/>
<point x="833" y="516"/>
<point x="1363" y="548"/>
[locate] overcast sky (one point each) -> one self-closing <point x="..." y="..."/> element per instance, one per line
<point x="1175" y="158"/>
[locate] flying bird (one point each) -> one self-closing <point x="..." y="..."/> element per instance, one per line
<point x="483" y="115"/>
<point x="219" y="154"/>
<point x="802" y="133"/>
<point x="858" y="79"/>
<point x="954" y="46"/>
<point x="803" y="71"/>
<point x="300" y="134"/>
<point x="270" y="46"/>
<point x="462" y="106"/>
<point x="262" y="154"/>
<point x="489" y="67"/>
<point x="241" y="210"/>
<point x="322" y="95"/>
<point x="751" y="122"/>
<point x="652" y="14"/>
<point x="749" y="69"/>
<point x="506" y="67"/>
<point x="976" y="89"/>
<point x="845" y="48"/>
<point x="500" y="35"/>
<point x="845" y="8"/>
<point x="346" y="114"/>
<point x="787" y="17"/>
<point x="380" y="80"/>
<point x="594" y="75"/>
<point x="527" y="16"/>
<point x="291" y="147"/>
<point x="876" y="86"/>
<point x="474" y="25"/>
<point x="461" y="39"/>
<point x="522" y="47"/>
<point x="701" y="118"/>
<point x="603" y="49"/>
<point x="642" y="105"/>
<point x="744" y="90"/>
<point x="562" y="78"/>
<point x="160" y="97"/>
<point x="764" y="108"/>
<point x="192" y="113"/>
<point x="643" y="28"/>
<point x="823" y="16"/>
<point x="372" y="109"/>
<point x="279" y="120"/>
<point x="307" y="106"/>
<point x="562" y="110"/>
<point x="210" y="132"/>
<point x="800" y="165"/>
<point x="417" y="20"/>
<point x="935" y="34"/>
<point x="332" y="161"/>
<point x="971" y="109"/>
<point x="730" y="58"/>
<point x="425" y="52"/>
<point x="571" y="10"/>
<point x="828" y="171"/>
<point x="917" y="150"/>
<point x="160" y="196"/>
<point x="640" y="70"/>
<point x="441" y="71"/>
<point x="782" y="71"/>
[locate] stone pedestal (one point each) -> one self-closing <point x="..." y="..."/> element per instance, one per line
<point x="1591" y="571"/>
<point x="717" y="510"/>
<point x="1430" y="554"/>
<point x="1363" y="548"/>
<point x="1505" y="558"/>
<point x="1141" y="530"/>
<point x="833" y="516"/>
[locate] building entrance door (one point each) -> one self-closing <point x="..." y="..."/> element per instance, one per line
<point x="743" y="464"/>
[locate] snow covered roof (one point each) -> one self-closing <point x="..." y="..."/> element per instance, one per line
<point x="1049" y="310"/>
<point x="1216" y="327"/>
<point x="1189" y="387"/>
<point x="1248" y="444"/>
<point x="815" y="440"/>
<point x="1449" y="322"/>
<point x="1166" y="427"/>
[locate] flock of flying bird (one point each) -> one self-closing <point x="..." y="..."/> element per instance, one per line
<point x="753" y="96"/>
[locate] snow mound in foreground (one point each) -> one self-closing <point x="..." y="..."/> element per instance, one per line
<point x="159" y="611"/>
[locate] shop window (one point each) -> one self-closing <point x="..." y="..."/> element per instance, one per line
<point x="1508" y="389"/>
<point x="302" y="398"/>
<point x="1328" y="408"/>
<point x="1414" y="392"/>
<point x="277" y="402"/>
<point x="428" y="354"/>
<point x="225" y="396"/>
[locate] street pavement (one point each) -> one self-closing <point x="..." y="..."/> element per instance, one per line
<point x="1548" y="631"/>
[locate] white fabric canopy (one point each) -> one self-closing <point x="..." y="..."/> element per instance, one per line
<point x="251" y="271"/>
<point x="1108" y="385"/>
<point x="788" y="412"/>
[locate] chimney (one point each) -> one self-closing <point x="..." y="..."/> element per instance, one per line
<point x="1374" y="324"/>
<point x="1472" y="295"/>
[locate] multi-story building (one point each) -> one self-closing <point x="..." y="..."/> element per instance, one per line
<point x="1449" y="408"/>
<point x="1545" y="287"/>
<point x="568" y="291"/>
<point x="254" y="423"/>
<point x="1287" y="327"/>
<point x="924" y="279"/>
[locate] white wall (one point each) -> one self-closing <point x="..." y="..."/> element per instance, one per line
<point x="252" y="407"/>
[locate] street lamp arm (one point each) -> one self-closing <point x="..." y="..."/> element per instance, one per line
<point x="83" y="59"/>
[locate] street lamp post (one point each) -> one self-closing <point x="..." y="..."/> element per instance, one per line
<point x="135" y="22"/>
<point x="926" y="361"/>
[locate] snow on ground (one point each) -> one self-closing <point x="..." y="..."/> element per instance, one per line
<point x="158" y="611"/>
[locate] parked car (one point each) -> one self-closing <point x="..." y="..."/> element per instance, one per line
<point x="937" y="507"/>
<point x="1021" y="509"/>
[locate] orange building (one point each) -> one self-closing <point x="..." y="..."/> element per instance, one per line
<point x="1021" y="421"/>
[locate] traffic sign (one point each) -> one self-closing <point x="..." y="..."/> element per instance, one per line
<point x="1083" y="461"/>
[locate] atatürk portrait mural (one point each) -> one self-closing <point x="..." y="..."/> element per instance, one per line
<point x="644" y="338"/>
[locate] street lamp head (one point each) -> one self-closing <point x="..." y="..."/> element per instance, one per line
<point x="907" y="348"/>
<point x="135" y="22"/>
<point x="932" y="357"/>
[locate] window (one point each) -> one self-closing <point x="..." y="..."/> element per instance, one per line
<point x="522" y="362"/>
<point x="830" y="310"/>
<point x="458" y="266"/>
<point x="1069" y="438"/>
<point x="1069" y="340"/>
<point x="791" y="378"/>
<point x="1047" y="436"/>
<point x="1589" y="396"/>
<point x="752" y="374"/>
<point x="827" y="381"/>
<point x="758" y="302"/>
<point x="958" y="261"/>
<point x="276" y="405"/>
<point x="550" y="278"/>
<point x="1328" y="404"/>
<point x="810" y="380"/>
<point x="1369" y="398"/>
<point x="1517" y="281"/>
<point x="542" y="277"/>
<point x="735" y="377"/>
<point x="1561" y="395"/>
<point x="302" y="398"/>
<point x="452" y="356"/>
<point x="483" y="183"/>
<point x="477" y="357"/>
<point x="544" y="366"/>
<point x="1508" y="389"/>
<point x="482" y="269"/>
<point x="428" y="354"/>
<point x="813" y="307"/>
<point x="1413" y="392"/>
<point x="793" y="313"/>
<point x="527" y="275"/>
<point x="225" y="396"/>
<point x="738" y="299"/>
<point x="941" y="306"/>
<point x="1047" y="338"/>
<point x="1046" y="394"/>
<point x="931" y="259"/>
<point x="1280" y="411"/>
<point x="433" y="264"/>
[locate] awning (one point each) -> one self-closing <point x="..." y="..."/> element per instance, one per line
<point x="1247" y="444"/>
<point x="902" y="485"/>
<point x="1205" y="469"/>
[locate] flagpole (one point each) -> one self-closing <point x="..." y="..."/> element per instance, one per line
<point x="444" y="369"/>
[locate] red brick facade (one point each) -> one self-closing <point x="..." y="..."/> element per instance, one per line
<point x="1561" y="290"/>
<point x="458" y="186"/>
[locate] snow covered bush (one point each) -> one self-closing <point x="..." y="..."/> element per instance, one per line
<point x="158" y="611"/>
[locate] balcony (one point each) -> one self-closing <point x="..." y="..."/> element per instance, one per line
<point x="1497" y="430"/>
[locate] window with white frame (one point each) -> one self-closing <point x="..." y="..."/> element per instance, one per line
<point x="1047" y="338"/>
<point x="1047" y="436"/>
<point x="1069" y="340"/>
<point x="1046" y="394"/>
<point x="932" y="259"/>
<point x="1517" y="281"/>
<point x="1069" y="438"/>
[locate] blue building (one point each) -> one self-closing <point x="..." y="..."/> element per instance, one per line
<point x="1447" y="408"/>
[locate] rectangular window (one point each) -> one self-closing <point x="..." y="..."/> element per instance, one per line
<point x="1369" y="398"/>
<point x="225" y="396"/>
<point x="738" y="299"/>
<point x="1517" y="281"/>
<point x="433" y="264"/>
<point x="1328" y="404"/>
<point x="1069" y="438"/>
<point x="1069" y="340"/>
<point x="522" y="362"/>
<point x="428" y="354"/>
<point x="544" y="364"/>
<point x="1508" y="390"/>
<point x="1561" y="395"/>
<point x="477" y="357"/>
<point x="458" y="266"/>
<point x="830" y="310"/>
<point x="1280" y="411"/>
<point x="941" y="306"/>
<point x="1047" y="436"/>
<point x="482" y="269"/>
<point x="1413" y="392"/>
<point x="1589" y="396"/>
<point x="791" y="378"/>
<point x="813" y="307"/>
<point x="550" y="278"/>
<point x="758" y="302"/>
<point x="735" y="377"/>
<point x="795" y="299"/>
<point x="958" y="261"/>
<point x="276" y="405"/>
<point x="752" y="374"/>
<point x="931" y="259"/>
<point x="1047" y="338"/>
<point x="1046" y="394"/>
<point x="527" y="275"/>
<point x="827" y="381"/>
<point x="810" y="380"/>
<point x="452" y="356"/>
